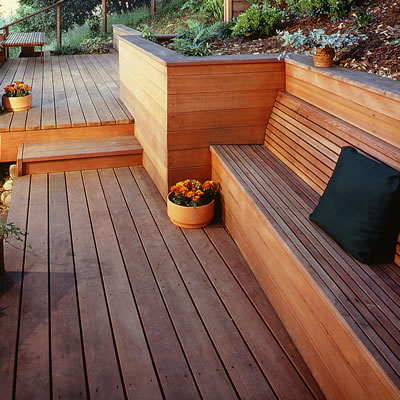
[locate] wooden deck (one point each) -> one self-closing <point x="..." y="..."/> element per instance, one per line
<point x="73" y="96"/>
<point x="113" y="301"/>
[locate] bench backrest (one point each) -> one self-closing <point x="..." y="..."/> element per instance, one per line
<point x="309" y="140"/>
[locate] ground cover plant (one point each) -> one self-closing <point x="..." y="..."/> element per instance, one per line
<point x="377" y="22"/>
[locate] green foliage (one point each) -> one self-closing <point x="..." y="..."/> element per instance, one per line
<point x="362" y="17"/>
<point x="225" y="31"/>
<point x="68" y="50"/>
<point x="94" y="22"/>
<point x="318" y="38"/>
<point x="257" y="21"/>
<point x="193" y="40"/>
<point x="100" y="44"/>
<point x="130" y="18"/>
<point x="148" y="34"/>
<point x="192" y="5"/>
<point x="9" y="230"/>
<point x="337" y="9"/>
<point x="213" y="10"/>
<point x="73" y="12"/>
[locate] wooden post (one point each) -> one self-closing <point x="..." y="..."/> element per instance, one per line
<point x="228" y="10"/>
<point x="104" y="12"/>
<point x="5" y="37"/>
<point x="59" y="28"/>
<point x="153" y="7"/>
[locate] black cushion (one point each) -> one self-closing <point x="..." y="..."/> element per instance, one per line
<point x="360" y="207"/>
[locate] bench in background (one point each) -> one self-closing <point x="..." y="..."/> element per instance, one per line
<point x="342" y="315"/>
<point x="27" y="42"/>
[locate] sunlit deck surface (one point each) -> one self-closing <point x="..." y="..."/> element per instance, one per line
<point x="113" y="301"/>
<point x="67" y="92"/>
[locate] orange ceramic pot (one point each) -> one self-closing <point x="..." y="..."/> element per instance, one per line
<point x="17" y="103"/>
<point x="190" y="217"/>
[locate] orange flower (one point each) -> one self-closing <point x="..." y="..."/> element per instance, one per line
<point x="190" y="194"/>
<point x="195" y="198"/>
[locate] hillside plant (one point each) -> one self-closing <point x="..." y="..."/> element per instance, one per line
<point x="193" y="40"/>
<point x="337" y="9"/>
<point x="100" y="44"/>
<point x="308" y="43"/>
<point x="258" y="21"/>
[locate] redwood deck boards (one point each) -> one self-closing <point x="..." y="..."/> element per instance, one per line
<point x="113" y="301"/>
<point x="68" y="92"/>
<point x="77" y="155"/>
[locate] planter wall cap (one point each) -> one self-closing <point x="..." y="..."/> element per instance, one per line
<point x="373" y="83"/>
<point x="126" y="29"/>
<point x="170" y="58"/>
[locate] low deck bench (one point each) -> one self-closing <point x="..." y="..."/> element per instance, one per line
<point x="27" y="42"/>
<point x="342" y="315"/>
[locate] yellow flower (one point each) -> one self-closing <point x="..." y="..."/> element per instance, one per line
<point x="190" y="194"/>
<point x="195" y="198"/>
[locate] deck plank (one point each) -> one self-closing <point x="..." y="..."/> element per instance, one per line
<point x="64" y="313"/>
<point x="89" y="111"/>
<point x="34" y="117"/>
<point x="11" y="285"/>
<point x="108" y="97"/>
<point x="175" y="375"/>
<point x="18" y="122"/>
<point x="240" y="364"/>
<point x="104" y="379"/>
<point x="16" y="70"/>
<point x="63" y="119"/>
<point x="48" y="120"/>
<point x="74" y="106"/>
<point x="100" y="105"/>
<point x="33" y="362"/>
<point x="138" y="308"/>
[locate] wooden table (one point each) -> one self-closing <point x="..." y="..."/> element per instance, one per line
<point x="27" y="42"/>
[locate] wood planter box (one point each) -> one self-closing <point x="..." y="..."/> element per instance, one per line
<point x="181" y="105"/>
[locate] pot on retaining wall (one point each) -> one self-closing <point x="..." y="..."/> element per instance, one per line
<point x="323" y="57"/>
<point x="17" y="103"/>
<point x="190" y="217"/>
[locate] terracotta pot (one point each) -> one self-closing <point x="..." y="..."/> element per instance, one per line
<point x="190" y="217"/>
<point x="17" y="103"/>
<point x="324" y="57"/>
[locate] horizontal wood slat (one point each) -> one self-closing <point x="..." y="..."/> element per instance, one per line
<point x="17" y="39"/>
<point x="266" y="208"/>
<point x="309" y="140"/>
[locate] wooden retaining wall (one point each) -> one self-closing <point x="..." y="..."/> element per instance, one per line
<point x="363" y="100"/>
<point x="182" y="105"/>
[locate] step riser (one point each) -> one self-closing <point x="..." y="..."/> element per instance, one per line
<point x="44" y="167"/>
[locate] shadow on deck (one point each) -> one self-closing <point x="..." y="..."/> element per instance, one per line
<point x="114" y="301"/>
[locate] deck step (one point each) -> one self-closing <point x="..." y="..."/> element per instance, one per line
<point x="76" y="155"/>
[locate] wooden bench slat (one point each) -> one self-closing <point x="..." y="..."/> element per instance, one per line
<point x="273" y="209"/>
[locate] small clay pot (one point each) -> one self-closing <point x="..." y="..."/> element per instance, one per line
<point x="190" y="217"/>
<point x="17" y="103"/>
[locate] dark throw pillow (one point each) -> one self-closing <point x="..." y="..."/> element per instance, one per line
<point x="360" y="207"/>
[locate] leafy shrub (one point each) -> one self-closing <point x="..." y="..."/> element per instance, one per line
<point x="193" y="40"/>
<point x="148" y="34"/>
<point x="337" y="9"/>
<point x="257" y="21"/>
<point x="97" y="45"/>
<point x="225" y="31"/>
<point x="68" y="50"/>
<point x="213" y="10"/>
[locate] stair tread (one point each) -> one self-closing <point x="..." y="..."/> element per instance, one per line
<point x="86" y="148"/>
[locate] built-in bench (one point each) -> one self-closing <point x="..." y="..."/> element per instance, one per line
<point x="342" y="315"/>
<point x="27" y="41"/>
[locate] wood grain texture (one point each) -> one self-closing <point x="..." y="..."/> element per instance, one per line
<point x="303" y="314"/>
<point x="189" y="107"/>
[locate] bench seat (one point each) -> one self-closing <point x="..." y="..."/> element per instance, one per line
<point x="341" y="314"/>
<point x="27" y="41"/>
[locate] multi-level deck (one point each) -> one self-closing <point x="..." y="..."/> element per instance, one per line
<point x="74" y="97"/>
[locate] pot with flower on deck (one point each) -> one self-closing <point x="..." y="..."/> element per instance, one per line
<point x="190" y="204"/>
<point x="17" y="97"/>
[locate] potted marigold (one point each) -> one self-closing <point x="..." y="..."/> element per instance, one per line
<point x="190" y="203"/>
<point x="17" y="97"/>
